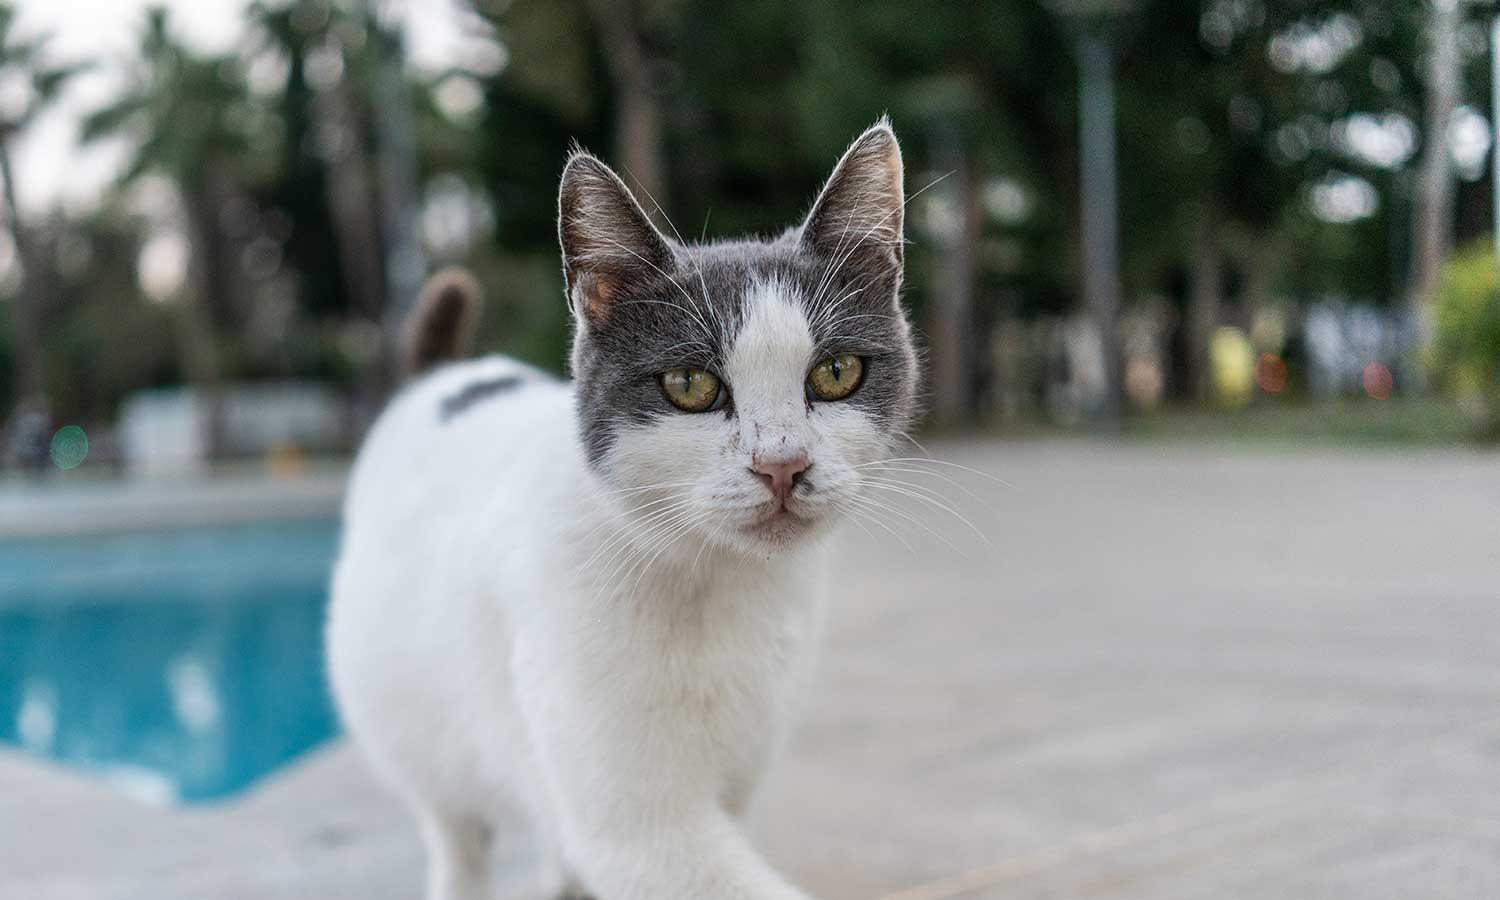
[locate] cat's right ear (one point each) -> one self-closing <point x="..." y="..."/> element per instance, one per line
<point x="608" y="242"/>
<point x="857" y="218"/>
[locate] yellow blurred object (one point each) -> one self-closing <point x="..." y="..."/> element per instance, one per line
<point x="1232" y="360"/>
<point x="286" y="460"/>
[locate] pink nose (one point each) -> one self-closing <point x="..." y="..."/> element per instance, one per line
<point x="781" y="475"/>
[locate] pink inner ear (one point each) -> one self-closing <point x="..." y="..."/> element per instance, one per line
<point x="596" y="291"/>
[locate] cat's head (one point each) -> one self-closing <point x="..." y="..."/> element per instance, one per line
<point x="736" y="389"/>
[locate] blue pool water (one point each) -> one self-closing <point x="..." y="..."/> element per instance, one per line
<point x="182" y="665"/>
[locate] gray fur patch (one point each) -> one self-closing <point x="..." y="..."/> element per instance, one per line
<point x="470" y="394"/>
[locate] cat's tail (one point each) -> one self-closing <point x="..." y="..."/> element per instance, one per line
<point x="441" y="327"/>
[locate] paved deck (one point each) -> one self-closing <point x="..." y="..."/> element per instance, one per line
<point x="1180" y="673"/>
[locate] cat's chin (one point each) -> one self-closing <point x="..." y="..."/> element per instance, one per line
<point x="779" y="529"/>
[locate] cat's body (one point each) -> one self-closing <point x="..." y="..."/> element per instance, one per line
<point x="577" y="600"/>
<point x="475" y="642"/>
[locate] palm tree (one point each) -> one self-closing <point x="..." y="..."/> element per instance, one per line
<point x="24" y="60"/>
<point x="184" y="116"/>
<point x="366" y="164"/>
<point x="318" y="247"/>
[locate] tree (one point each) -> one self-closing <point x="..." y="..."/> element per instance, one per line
<point x="327" y="172"/>
<point x="977" y="91"/>
<point x="291" y="33"/>
<point x="621" y="27"/>
<point x="186" y="117"/>
<point x="24" y="59"/>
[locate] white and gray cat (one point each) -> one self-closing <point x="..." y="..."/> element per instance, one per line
<point x="596" y="601"/>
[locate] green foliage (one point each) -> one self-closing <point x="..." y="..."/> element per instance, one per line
<point x="1466" y="334"/>
<point x="182" y="112"/>
<point x="104" y="336"/>
<point x="1303" y="423"/>
<point x="27" y="56"/>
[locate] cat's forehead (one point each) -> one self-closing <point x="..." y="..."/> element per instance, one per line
<point x="774" y="341"/>
<point x="734" y="270"/>
<point x="696" y="306"/>
<point x="723" y="288"/>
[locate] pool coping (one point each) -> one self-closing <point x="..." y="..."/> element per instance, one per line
<point x="52" y="509"/>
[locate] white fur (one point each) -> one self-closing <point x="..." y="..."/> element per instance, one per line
<point x="512" y="628"/>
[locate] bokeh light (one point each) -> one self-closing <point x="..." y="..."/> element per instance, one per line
<point x="70" y="447"/>
<point x="1232" y="359"/>
<point x="1377" y="380"/>
<point x="1270" y="373"/>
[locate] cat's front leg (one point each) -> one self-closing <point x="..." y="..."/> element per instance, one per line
<point x="635" y="852"/>
<point x="457" y="857"/>
<point x="637" y="789"/>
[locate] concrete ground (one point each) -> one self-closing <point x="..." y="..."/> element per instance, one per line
<point x="1177" y="673"/>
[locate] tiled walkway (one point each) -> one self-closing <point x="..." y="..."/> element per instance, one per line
<point x="1176" y="674"/>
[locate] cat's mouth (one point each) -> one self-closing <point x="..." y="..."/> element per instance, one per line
<point x="777" y="522"/>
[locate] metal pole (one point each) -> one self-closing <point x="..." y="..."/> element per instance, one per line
<point x="1101" y="229"/>
<point x="1495" y="130"/>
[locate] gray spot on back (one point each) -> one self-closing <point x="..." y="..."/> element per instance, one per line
<point x="473" y="392"/>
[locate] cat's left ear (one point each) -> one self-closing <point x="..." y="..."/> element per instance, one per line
<point x="857" y="219"/>
<point x="608" y="242"/>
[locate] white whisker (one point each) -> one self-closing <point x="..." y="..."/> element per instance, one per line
<point x="916" y="492"/>
<point x="927" y="460"/>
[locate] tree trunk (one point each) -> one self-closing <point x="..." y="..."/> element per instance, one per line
<point x="1205" y="280"/>
<point x="638" y="138"/>
<point x="354" y="203"/>
<point x="1434" y="209"/>
<point x="399" y="202"/>
<point x="197" y="339"/>
<point x="26" y="339"/>
<point x="1259" y="265"/>
<point x="1100" y="216"/>
<point x="352" y="197"/>
<point x="953" y="345"/>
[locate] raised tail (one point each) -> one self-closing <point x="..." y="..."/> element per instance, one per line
<point x="441" y="327"/>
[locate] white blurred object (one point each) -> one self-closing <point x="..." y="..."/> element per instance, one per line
<point x="164" y="431"/>
<point x="1079" y="388"/>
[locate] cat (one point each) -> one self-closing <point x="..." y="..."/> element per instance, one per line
<point x="597" y="601"/>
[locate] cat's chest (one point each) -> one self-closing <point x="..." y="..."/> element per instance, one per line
<point x="725" y="657"/>
<point x="725" y="684"/>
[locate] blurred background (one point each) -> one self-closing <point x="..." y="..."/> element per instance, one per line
<point x="1139" y="230"/>
<point x="218" y="211"/>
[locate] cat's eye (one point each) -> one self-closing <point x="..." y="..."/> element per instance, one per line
<point x="836" y="377"/>
<point x="692" y="390"/>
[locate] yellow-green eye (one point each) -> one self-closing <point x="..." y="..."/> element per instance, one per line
<point x="836" y="377"/>
<point x="691" y="390"/>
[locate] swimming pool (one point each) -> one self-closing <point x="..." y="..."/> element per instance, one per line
<point x="181" y="665"/>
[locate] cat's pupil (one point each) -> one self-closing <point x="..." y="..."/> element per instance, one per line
<point x="837" y="371"/>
